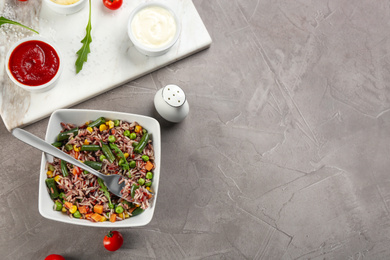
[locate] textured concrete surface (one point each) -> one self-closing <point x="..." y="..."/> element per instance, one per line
<point x="284" y="154"/>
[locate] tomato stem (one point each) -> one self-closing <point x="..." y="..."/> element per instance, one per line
<point x="110" y="234"/>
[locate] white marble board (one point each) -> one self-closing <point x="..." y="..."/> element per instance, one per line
<point x="113" y="59"/>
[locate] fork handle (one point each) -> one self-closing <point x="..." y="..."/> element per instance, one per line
<point x="45" y="147"/>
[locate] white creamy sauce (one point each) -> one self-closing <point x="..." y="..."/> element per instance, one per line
<point x="65" y="2"/>
<point x="154" y="26"/>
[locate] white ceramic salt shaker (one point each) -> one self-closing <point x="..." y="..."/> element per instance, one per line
<point x="171" y="103"/>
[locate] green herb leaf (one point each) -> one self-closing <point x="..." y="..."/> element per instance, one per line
<point x="83" y="52"/>
<point x="4" y="20"/>
<point x="105" y="190"/>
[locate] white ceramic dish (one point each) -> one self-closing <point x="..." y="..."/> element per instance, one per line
<point x="41" y="88"/>
<point x="66" y="9"/>
<point x="79" y="117"/>
<point x="144" y="49"/>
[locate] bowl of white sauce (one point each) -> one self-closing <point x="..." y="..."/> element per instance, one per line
<point x="153" y="28"/>
<point x="66" y="6"/>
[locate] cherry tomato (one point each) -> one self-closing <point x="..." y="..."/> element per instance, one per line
<point x="54" y="257"/>
<point x="112" y="4"/>
<point x="113" y="241"/>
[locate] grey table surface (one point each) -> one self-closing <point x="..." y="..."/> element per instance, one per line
<point x="284" y="154"/>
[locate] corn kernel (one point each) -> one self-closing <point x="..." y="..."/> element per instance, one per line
<point x="89" y="129"/>
<point x="49" y="174"/>
<point x="63" y="209"/>
<point x="76" y="148"/>
<point x="126" y="155"/>
<point x="73" y="209"/>
<point x="86" y="142"/>
<point x="57" y="178"/>
<point x="103" y="219"/>
<point x="120" y="215"/>
<point x="137" y="205"/>
<point x="148" y="188"/>
<point x="102" y="127"/>
<point x="110" y="124"/>
<point x="127" y="215"/>
<point x="137" y="128"/>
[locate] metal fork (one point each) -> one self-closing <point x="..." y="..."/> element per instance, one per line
<point x="111" y="181"/>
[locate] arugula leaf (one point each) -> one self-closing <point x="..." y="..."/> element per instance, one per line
<point x="106" y="193"/>
<point x="4" y="20"/>
<point x="125" y="165"/>
<point x="83" y="52"/>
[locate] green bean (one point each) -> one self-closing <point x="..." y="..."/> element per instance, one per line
<point x="141" y="145"/>
<point x="51" y="185"/>
<point x="57" y="144"/>
<point x="90" y="147"/>
<point x="94" y="165"/>
<point x="107" y="152"/>
<point x="133" y="189"/>
<point x="122" y="157"/>
<point x="137" y="211"/>
<point x="64" y="168"/>
<point x="65" y="135"/>
<point x="97" y="122"/>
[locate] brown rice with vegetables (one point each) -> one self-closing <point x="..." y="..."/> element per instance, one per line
<point x="111" y="147"/>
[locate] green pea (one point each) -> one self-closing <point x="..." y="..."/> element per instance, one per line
<point x="148" y="183"/>
<point x="111" y="139"/>
<point x="69" y="147"/>
<point x="149" y="175"/>
<point x="111" y="206"/>
<point x="132" y="164"/>
<point x="133" y="136"/>
<point x="145" y="158"/>
<point x="119" y="209"/>
<point x="141" y="181"/>
<point x="62" y="195"/>
<point x="126" y="133"/>
<point x="117" y="122"/>
<point x="121" y="161"/>
<point x="102" y="157"/>
<point x="77" y="214"/>
<point x="85" y="172"/>
<point x="57" y="205"/>
<point x="51" y="168"/>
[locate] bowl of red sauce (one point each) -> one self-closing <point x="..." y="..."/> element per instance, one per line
<point x="34" y="64"/>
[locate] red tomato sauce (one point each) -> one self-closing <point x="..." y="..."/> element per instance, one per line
<point x="34" y="63"/>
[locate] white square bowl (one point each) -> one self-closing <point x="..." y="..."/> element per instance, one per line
<point x="79" y="117"/>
